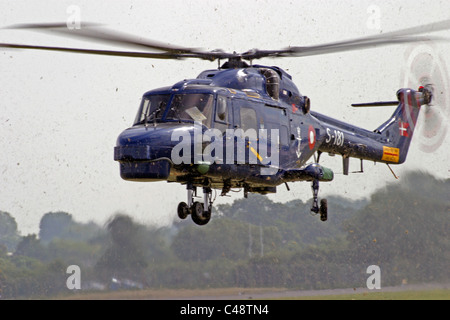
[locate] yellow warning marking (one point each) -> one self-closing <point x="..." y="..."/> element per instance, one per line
<point x="256" y="154"/>
<point x="251" y="94"/>
<point x="391" y="154"/>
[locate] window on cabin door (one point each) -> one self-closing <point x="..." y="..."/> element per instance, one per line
<point x="276" y="119"/>
<point x="249" y="119"/>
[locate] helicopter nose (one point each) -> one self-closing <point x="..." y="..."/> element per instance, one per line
<point x="133" y="145"/>
<point x="145" y="143"/>
<point x="144" y="153"/>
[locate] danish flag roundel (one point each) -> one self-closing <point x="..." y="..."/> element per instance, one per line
<point x="403" y="127"/>
<point x="311" y="137"/>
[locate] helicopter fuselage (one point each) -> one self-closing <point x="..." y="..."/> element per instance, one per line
<point x="249" y="128"/>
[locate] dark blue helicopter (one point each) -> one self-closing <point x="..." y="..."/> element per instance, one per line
<point x="247" y="126"/>
<point x="256" y="97"/>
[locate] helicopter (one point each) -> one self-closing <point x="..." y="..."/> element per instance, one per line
<point x="244" y="125"/>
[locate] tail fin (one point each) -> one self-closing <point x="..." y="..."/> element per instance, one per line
<point x="399" y="129"/>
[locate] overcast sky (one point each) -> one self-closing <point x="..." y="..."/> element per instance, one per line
<point x="61" y="113"/>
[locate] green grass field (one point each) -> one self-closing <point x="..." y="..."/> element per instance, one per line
<point x="440" y="294"/>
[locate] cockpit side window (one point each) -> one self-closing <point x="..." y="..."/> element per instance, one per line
<point x="152" y="107"/>
<point x="221" y="118"/>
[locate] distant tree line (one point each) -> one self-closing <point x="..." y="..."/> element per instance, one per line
<point x="253" y="242"/>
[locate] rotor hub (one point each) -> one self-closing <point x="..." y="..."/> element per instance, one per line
<point x="427" y="92"/>
<point x="235" y="63"/>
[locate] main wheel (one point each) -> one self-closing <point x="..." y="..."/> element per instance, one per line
<point x="183" y="210"/>
<point x="199" y="215"/>
<point x="323" y="210"/>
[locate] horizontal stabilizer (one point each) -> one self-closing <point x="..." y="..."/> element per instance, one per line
<point x="376" y="104"/>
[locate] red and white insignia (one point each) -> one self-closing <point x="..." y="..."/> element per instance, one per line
<point x="403" y="127"/>
<point x="311" y="137"/>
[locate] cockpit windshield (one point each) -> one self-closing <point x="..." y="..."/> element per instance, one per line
<point x="192" y="107"/>
<point x="187" y="107"/>
<point x="152" y="108"/>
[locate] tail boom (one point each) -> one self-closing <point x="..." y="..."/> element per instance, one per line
<point x="389" y="143"/>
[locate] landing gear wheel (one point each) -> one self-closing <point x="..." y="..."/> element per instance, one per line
<point x="199" y="215"/>
<point x="183" y="210"/>
<point x="323" y="210"/>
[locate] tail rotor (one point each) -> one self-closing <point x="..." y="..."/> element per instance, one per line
<point x="426" y="70"/>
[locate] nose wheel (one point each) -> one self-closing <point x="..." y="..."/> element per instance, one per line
<point x="200" y="212"/>
<point x="183" y="210"/>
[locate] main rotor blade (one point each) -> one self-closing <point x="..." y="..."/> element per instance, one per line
<point x="408" y="35"/>
<point x="94" y="32"/>
<point x="98" y="52"/>
<point x="351" y="45"/>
